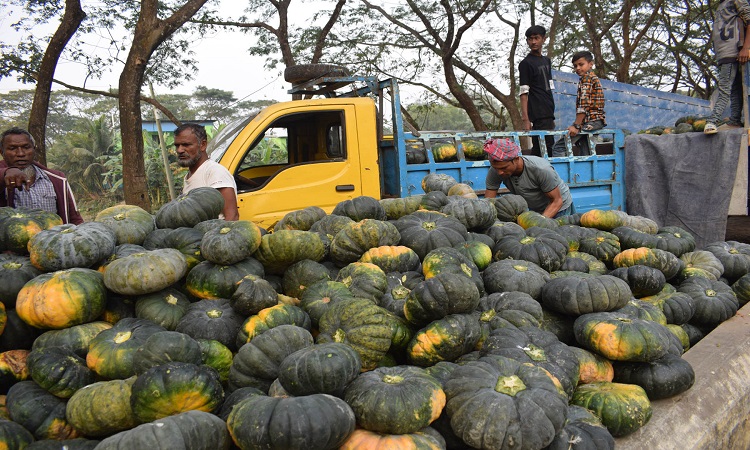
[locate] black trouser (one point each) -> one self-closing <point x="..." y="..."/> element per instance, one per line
<point x="542" y="124"/>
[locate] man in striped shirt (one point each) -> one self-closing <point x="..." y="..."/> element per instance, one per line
<point x="24" y="183"/>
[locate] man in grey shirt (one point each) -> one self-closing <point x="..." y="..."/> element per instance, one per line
<point x="531" y="177"/>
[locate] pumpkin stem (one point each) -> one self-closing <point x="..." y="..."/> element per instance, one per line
<point x="225" y="230"/>
<point x="488" y="315"/>
<point x="535" y="353"/>
<point x="521" y="268"/>
<point x="392" y="379"/>
<point x="214" y="313"/>
<point x="10" y="265"/>
<point x="122" y="337"/>
<point x="510" y="385"/>
<point x="528" y="240"/>
<point x="429" y="226"/>
<point x="466" y="269"/>
<point x="400" y="292"/>
<point x="171" y="299"/>
<point x="710" y="293"/>
<point x="119" y="216"/>
<point x="339" y="336"/>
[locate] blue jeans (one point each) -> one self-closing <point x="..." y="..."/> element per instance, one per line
<point x="566" y="212"/>
<point x="729" y="93"/>
<point x="579" y="141"/>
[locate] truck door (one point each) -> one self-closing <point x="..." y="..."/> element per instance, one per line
<point x="293" y="160"/>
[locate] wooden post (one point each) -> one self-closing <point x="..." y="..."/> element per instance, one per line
<point x="163" y="146"/>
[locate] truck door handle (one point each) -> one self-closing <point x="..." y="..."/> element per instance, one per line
<point x="344" y="187"/>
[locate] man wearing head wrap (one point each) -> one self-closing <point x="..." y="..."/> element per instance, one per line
<point x="531" y="177"/>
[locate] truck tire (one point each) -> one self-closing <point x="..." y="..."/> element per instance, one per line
<point x="305" y="72"/>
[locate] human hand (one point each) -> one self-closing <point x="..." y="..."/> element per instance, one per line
<point x="16" y="179"/>
<point x="526" y="125"/>
<point x="572" y="131"/>
<point x="744" y="55"/>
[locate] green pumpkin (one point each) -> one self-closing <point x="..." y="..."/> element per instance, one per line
<point x="166" y="346"/>
<point x="592" y="367"/>
<point x="438" y="182"/>
<point x="741" y="289"/>
<point x="603" y="220"/>
<point x="445" y="339"/>
<point x="279" y="250"/>
<point x="538" y="347"/>
<point x="399" y="287"/>
<point x="256" y="363"/>
<point x="714" y="301"/>
<point x="15" y="271"/>
<point x="582" y="430"/>
<point x="13" y="368"/>
<point x="515" y="275"/>
<point x="678" y="307"/>
<point x="424" y="231"/>
<point x="541" y="246"/>
<point x="596" y="267"/>
<point x="392" y="258"/>
<point x="232" y="399"/>
<point x="330" y="225"/>
<point x="191" y="208"/>
<point x="271" y="317"/>
<point x="700" y="263"/>
<point x="216" y="355"/>
<point x="17" y="334"/>
<point x="399" y="207"/>
<point x="734" y="257"/>
<point x="130" y="223"/>
<point x="187" y="241"/>
<point x="319" y="297"/>
<point x="364" y="280"/>
<point x="111" y="351"/>
<point x="40" y="412"/>
<point x="666" y="377"/>
<point x="665" y="261"/>
<point x="395" y="400"/>
<point x="14" y="435"/>
<point x="359" y="208"/>
<point x="147" y="272"/>
<point x="319" y="369"/>
<point x="358" y="237"/>
<point x="473" y="150"/>
<point x="363" y="325"/>
<point x="96" y="418"/>
<point x="19" y="225"/>
<point x="528" y="219"/>
<point x="426" y="439"/>
<point x="230" y="243"/>
<point x="509" y="206"/>
<point x="436" y="297"/>
<point x="444" y="152"/>
<point x="433" y="201"/>
<point x="480" y="253"/>
<point x="643" y="224"/>
<point x="451" y="260"/>
<point x="252" y="295"/>
<point x="514" y="308"/>
<point x="62" y="299"/>
<point x="75" y="338"/>
<point x="189" y="430"/>
<point x="301" y="219"/>
<point x="475" y="214"/>
<point x="620" y="337"/>
<point x="213" y="281"/>
<point x="603" y="245"/>
<point x="643" y="280"/>
<point x="300" y="275"/>
<point x="59" y="370"/>
<point x="622" y="408"/>
<point x="156" y="238"/>
<point x="165" y="307"/>
<point x="644" y="310"/>
<point x="675" y="240"/>
<point x="173" y="388"/>
<point x="497" y="399"/>
<point x="66" y="246"/>
<point x="211" y="319"/>
<point x="574" y="297"/>
<point x="322" y="422"/>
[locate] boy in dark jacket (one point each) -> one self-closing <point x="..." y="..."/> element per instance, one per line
<point x="732" y="46"/>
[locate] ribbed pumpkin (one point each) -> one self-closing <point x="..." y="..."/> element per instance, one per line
<point x="322" y="422"/>
<point x="515" y="275"/>
<point x="622" y="408"/>
<point x="147" y="272"/>
<point x="734" y="257"/>
<point x="15" y="271"/>
<point x="300" y="275"/>
<point x="399" y="287"/>
<point x="319" y="297"/>
<point x="279" y="250"/>
<point x="528" y="219"/>
<point x="166" y="346"/>
<point x="592" y="367"/>
<point x="667" y="262"/>
<point x="230" y="243"/>
<point x="502" y="309"/>
<point x="173" y="388"/>
<point x="509" y="206"/>
<point x="603" y="245"/>
<point x="741" y="288"/>
<point x="356" y="238"/>
<point x="499" y="400"/>
<point x="252" y="295"/>
<point x="619" y="337"/>
<point x="451" y="260"/>
<point x="39" y="411"/>
<point x="643" y="280"/>
<point x="75" y="338"/>
<point x="320" y="369"/>
<point x="211" y="319"/>
<point x="256" y="364"/>
<point x="644" y="310"/>
<point x="59" y="370"/>
<point x="438" y="182"/>
<point x="187" y="241"/>
<point x="216" y="355"/>
<point x="462" y="190"/>
<point x="17" y="333"/>
<point x="424" y="231"/>
<point x="364" y="280"/>
<point x="96" y="418"/>
<point x="433" y="201"/>
<point x="165" y="307"/>
<point x="62" y="299"/>
<point x="65" y="246"/>
<point x="111" y="351"/>
<point x="666" y="377"/>
<point x="14" y="435"/>
<point x="399" y="207"/>
<point x="603" y="220"/>
<point x="190" y="208"/>
<point x="274" y="316"/>
<point x="575" y="297"/>
<point x="19" y="225"/>
<point x="582" y="430"/>
<point x="445" y="339"/>
<point x="439" y="296"/>
<point x="541" y="246"/>
<point x="475" y="214"/>
<point x="359" y="208"/>
<point x="392" y="258"/>
<point x="480" y="253"/>
<point x="714" y="301"/>
<point x="444" y="151"/>
<point x="212" y="281"/>
<point x="130" y="223"/>
<point x="701" y="263"/>
<point x="395" y="400"/>
<point x="301" y="219"/>
<point x="330" y="225"/>
<point x="596" y="267"/>
<point x="362" y="439"/>
<point x="362" y="324"/>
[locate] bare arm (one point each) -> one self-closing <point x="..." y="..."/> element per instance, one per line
<point x="489" y="193"/>
<point x="230" y="204"/>
<point x="555" y="203"/>
<point x="744" y="54"/>
<point x="525" y="112"/>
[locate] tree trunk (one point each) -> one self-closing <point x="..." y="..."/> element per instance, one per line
<point x="69" y="24"/>
<point x="464" y="99"/>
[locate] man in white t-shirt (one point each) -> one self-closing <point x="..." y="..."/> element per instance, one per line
<point x="190" y="141"/>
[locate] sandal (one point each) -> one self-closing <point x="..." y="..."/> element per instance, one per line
<point x="710" y="128"/>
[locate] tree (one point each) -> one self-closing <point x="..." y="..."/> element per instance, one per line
<point x="150" y="32"/>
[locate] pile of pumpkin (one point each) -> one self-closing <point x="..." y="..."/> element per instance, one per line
<point x="685" y="124"/>
<point x="436" y="321"/>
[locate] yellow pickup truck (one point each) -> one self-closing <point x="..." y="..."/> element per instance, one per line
<point x="322" y="151"/>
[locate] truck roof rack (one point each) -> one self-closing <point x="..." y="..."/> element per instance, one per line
<point x="328" y="86"/>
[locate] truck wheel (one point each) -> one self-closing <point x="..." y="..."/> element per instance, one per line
<point x="304" y="72"/>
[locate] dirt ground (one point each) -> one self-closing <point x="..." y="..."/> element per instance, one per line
<point x="738" y="229"/>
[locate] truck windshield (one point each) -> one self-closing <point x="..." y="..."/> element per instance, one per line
<point x="221" y="141"/>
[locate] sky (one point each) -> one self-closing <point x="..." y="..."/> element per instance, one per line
<point x="222" y="59"/>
